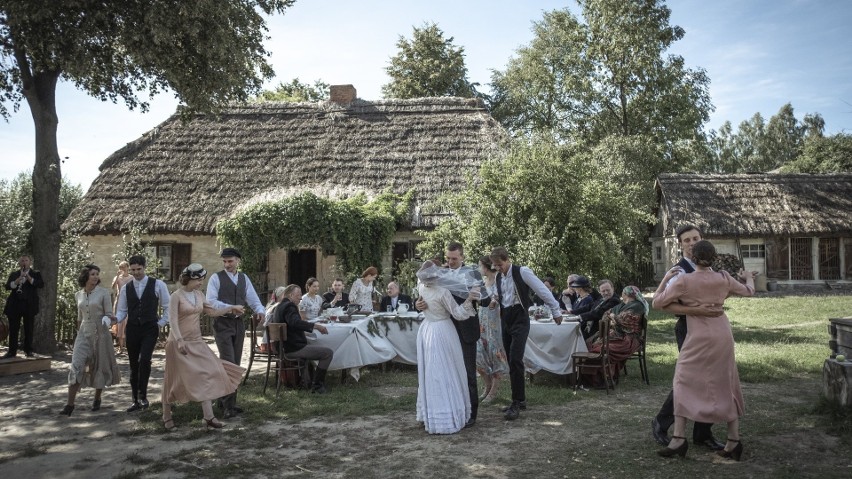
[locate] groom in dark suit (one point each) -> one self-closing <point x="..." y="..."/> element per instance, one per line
<point x="468" y="330"/>
<point x="22" y="304"/>
<point x="687" y="236"/>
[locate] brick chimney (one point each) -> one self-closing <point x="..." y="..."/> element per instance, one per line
<point x="343" y="95"/>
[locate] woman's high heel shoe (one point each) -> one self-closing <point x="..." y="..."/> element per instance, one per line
<point x="169" y="424"/>
<point x="679" y="451"/>
<point x="96" y="405"/>
<point x="213" y="424"/>
<point x="736" y="453"/>
<point x="67" y="410"/>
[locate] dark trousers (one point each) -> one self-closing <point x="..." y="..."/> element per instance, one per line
<point x="469" y="354"/>
<point x="701" y="430"/>
<point x="321" y="354"/>
<point x="516" y="328"/>
<point x="15" y="328"/>
<point x="141" y="339"/>
<point x="230" y="337"/>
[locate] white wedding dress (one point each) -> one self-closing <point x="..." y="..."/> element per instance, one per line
<point x="443" y="401"/>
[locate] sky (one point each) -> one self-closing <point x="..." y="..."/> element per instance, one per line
<point x="759" y="55"/>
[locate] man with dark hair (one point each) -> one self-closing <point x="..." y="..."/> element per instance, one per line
<point x="336" y="298"/>
<point x="22" y="304"/>
<point x="232" y="287"/>
<point x="514" y="285"/>
<point x="137" y="304"/>
<point x="687" y="235"/>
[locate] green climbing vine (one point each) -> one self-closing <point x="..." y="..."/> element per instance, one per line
<point x="358" y="231"/>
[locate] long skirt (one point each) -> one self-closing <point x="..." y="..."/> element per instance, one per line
<point x="443" y="401"/>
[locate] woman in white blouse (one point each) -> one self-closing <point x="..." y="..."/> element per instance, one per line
<point x="362" y="289"/>
<point x="311" y="304"/>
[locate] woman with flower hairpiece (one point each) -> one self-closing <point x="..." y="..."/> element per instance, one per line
<point x="193" y="373"/>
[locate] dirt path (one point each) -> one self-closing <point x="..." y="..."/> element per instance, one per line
<point x="599" y="436"/>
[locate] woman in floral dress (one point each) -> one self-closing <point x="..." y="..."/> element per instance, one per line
<point x="491" y="361"/>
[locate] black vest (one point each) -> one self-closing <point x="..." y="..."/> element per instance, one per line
<point x="142" y="310"/>
<point x="686" y="266"/>
<point x="230" y="293"/>
<point x="521" y="287"/>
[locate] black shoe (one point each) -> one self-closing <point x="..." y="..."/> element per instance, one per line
<point x="736" y="453"/>
<point x="8" y="355"/>
<point x="30" y="355"/>
<point x="143" y="403"/>
<point x="96" y="405"/>
<point x="237" y="410"/>
<point x="318" y="389"/>
<point x="134" y="407"/>
<point x="513" y="411"/>
<point x="522" y="405"/>
<point x="470" y="422"/>
<point x="659" y="433"/>
<point x="679" y="451"/>
<point x="228" y="414"/>
<point x="710" y="443"/>
<point x="67" y="410"/>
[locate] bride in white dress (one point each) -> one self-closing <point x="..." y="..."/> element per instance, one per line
<point x="443" y="400"/>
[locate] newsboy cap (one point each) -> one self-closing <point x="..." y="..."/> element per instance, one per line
<point x="230" y="253"/>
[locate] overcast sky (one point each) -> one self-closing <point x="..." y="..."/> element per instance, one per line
<point x="759" y="54"/>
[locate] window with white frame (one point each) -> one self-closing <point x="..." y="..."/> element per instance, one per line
<point x="753" y="251"/>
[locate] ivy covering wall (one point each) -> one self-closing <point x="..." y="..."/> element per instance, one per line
<point x="359" y="232"/>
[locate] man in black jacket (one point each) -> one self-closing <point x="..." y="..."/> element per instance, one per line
<point x="296" y="346"/>
<point x="394" y="297"/>
<point x="22" y="304"/>
<point x="589" y="321"/>
<point x="687" y="236"/>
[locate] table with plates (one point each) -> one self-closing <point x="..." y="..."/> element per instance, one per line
<point x="401" y="332"/>
<point x="353" y="346"/>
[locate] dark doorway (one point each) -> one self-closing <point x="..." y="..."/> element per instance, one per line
<point x="301" y="265"/>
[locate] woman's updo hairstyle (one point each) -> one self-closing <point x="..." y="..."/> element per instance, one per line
<point x="486" y="261"/>
<point x="703" y="253"/>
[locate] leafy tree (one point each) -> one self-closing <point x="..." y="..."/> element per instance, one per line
<point x="428" y="65"/>
<point x="831" y="154"/>
<point x="784" y="138"/>
<point x="296" y="91"/>
<point x="555" y="208"/>
<point x="208" y="52"/>
<point x="581" y="82"/>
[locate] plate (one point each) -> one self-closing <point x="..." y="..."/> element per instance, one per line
<point x="545" y="320"/>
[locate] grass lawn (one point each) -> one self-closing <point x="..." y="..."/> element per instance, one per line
<point x="367" y="429"/>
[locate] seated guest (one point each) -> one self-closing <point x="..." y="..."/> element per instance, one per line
<point x="336" y="298"/>
<point x="296" y="346"/>
<point x="583" y="288"/>
<point x="394" y="297"/>
<point x="589" y="320"/>
<point x="274" y="300"/>
<point x="625" y="327"/>
<point x="550" y="283"/>
<point x="311" y="304"/>
<point x="566" y="301"/>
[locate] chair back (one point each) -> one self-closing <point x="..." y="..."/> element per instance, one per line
<point x="603" y="332"/>
<point x="277" y="334"/>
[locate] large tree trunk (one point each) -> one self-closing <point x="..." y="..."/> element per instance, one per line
<point x="47" y="181"/>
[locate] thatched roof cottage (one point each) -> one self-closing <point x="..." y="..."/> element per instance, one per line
<point x="180" y="178"/>
<point x="794" y="228"/>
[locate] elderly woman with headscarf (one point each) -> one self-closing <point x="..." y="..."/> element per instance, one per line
<point x="625" y="321"/>
<point x="443" y="399"/>
<point x="192" y="371"/>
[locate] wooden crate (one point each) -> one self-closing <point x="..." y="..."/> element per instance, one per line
<point x="12" y="366"/>
<point x="840" y="330"/>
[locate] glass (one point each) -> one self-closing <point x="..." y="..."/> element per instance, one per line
<point x="390" y="309"/>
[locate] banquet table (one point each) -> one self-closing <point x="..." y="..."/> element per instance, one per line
<point x="353" y="346"/>
<point x="550" y="346"/>
<point x="401" y="332"/>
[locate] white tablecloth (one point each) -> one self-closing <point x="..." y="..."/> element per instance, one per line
<point x="353" y="346"/>
<point x="403" y="341"/>
<point x="550" y="346"/>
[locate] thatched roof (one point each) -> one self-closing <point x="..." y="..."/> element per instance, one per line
<point x="756" y="205"/>
<point x="182" y="177"/>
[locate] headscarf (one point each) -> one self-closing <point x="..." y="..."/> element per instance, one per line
<point x="634" y="292"/>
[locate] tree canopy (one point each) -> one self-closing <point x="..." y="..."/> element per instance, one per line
<point x="207" y="52"/>
<point x="428" y="65"/>
<point x="583" y="81"/>
<point x="296" y="91"/>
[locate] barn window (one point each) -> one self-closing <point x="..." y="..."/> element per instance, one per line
<point x="174" y="257"/>
<point x="829" y="258"/>
<point x="753" y="251"/>
<point x="801" y="258"/>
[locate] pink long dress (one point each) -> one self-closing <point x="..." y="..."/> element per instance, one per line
<point x="706" y="382"/>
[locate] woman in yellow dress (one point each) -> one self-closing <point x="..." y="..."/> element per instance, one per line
<point x="192" y="372"/>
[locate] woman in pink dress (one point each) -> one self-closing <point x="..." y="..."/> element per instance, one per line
<point x="192" y="371"/>
<point x="121" y="278"/>
<point x="706" y="382"/>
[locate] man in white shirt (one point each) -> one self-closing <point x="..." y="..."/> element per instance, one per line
<point x="232" y="287"/>
<point x="514" y="284"/>
<point x="137" y="304"/>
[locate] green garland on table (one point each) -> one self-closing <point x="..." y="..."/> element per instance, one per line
<point x="404" y="324"/>
<point x="358" y="231"/>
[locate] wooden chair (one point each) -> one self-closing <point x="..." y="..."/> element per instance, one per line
<point x="640" y="354"/>
<point x="599" y="361"/>
<point x="255" y="350"/>
<point x="278" y="360"/>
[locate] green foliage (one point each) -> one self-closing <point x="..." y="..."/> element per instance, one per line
<point x="428" y="65"/>
<point x="832" y="154"/>
<point x="296" y="91"/>
<point x="357" y="231"/>
<point x="581" y="82"/>
<point x="557" y="210"/>
<point x="16" y="201"/>
<point x="133" y="243"/>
